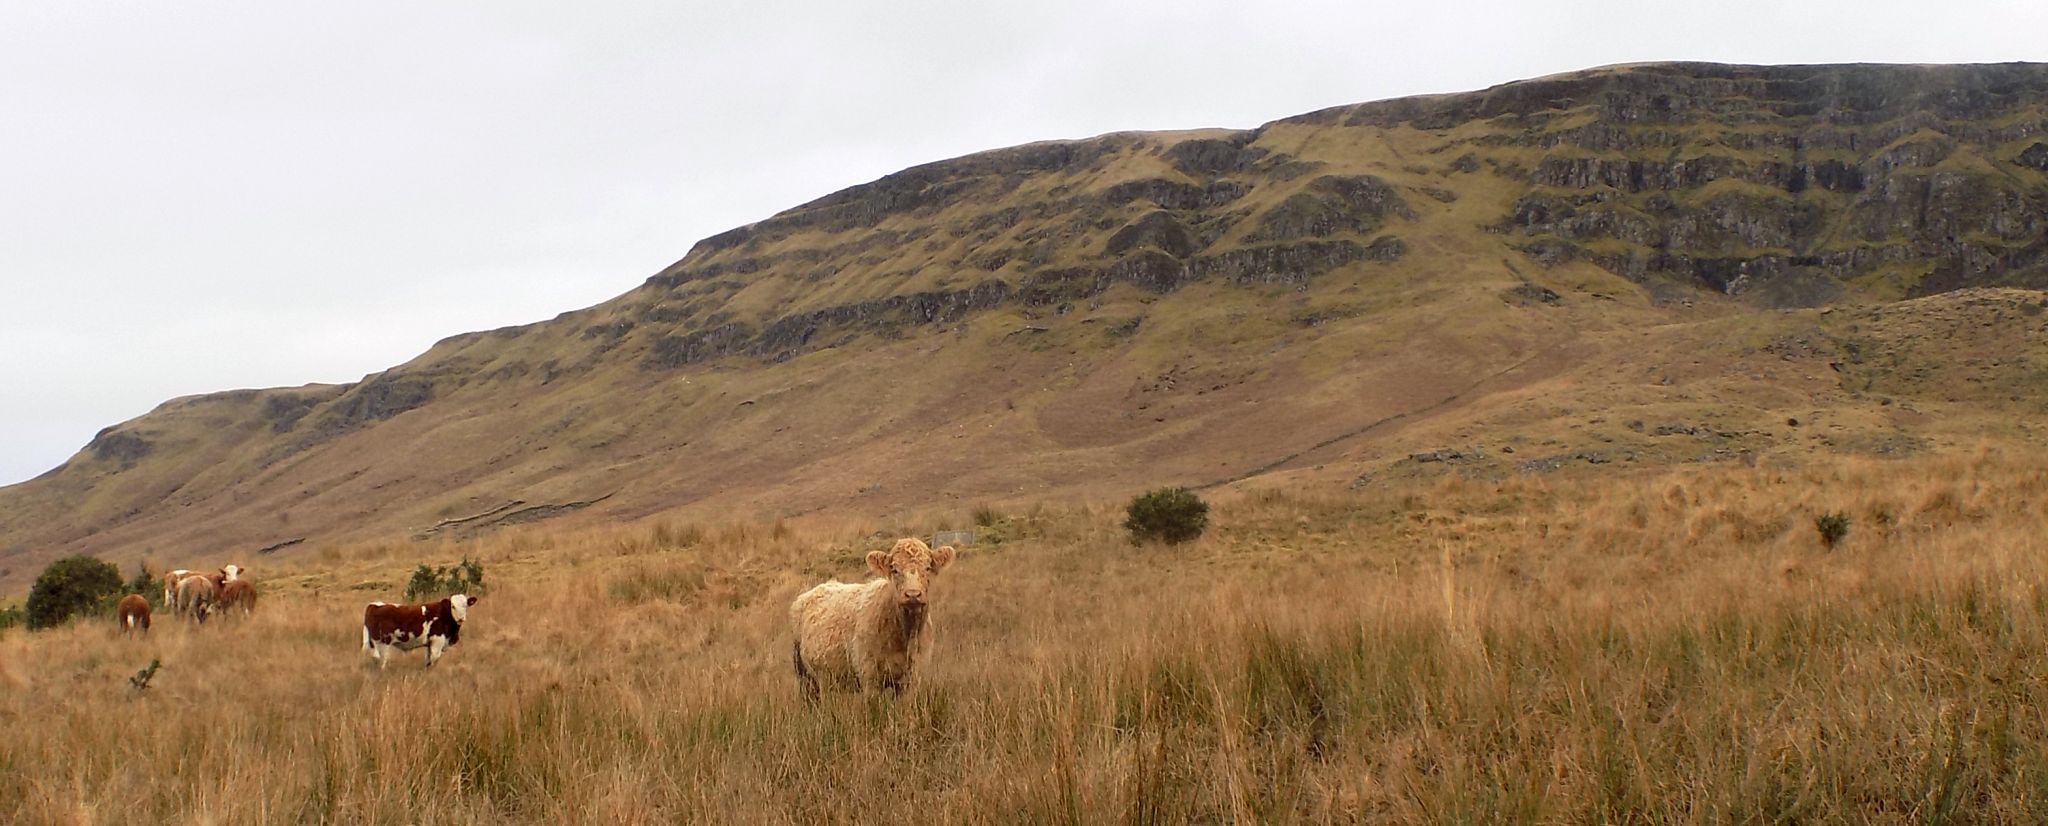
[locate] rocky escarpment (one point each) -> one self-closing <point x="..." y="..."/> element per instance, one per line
<point x="1789" y="182"/>
<point x="1790" y="185"/>
<point x="1150" y="269"/>
<point x="1024" y="228"/>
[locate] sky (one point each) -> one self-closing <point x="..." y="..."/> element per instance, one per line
<point x="202" y="196"/>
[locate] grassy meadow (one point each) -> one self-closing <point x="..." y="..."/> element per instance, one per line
<point x="1652" y="646"/>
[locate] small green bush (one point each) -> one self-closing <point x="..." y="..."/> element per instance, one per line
<point x="1832" y="527"/>
<point x="1170" y="515"/>
<point x="11" y="616"/>
<point x="147" y="585"/>
<point x="70" y="586"/>
<point x="465" y="577"/>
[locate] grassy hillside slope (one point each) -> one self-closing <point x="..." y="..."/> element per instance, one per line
<point x="1577" y="268"/>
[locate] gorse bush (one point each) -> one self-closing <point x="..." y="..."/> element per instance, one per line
<point x="1832" y="527"/>
<point x="70" y="586"/>
<point x="1170" y="515"/>
<point x="465" y="577"/>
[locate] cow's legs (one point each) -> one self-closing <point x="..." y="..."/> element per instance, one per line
<point x="435" y="645"/>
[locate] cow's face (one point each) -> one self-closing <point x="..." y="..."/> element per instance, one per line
<point x="231" y="573"/>
<point x="910" y="567"/>
<point x="458" y="606"/>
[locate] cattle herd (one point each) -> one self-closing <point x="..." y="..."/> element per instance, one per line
<point x="194" y="595"/>
<point x="864" y="637"/>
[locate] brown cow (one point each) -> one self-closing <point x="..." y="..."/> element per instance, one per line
<point x="240" y="595"/>
<point x="133" y="613"/>
<point x="436" y="625"/>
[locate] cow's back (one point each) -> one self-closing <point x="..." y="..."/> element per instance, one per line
<point x="196" y="594"/>
<point x="171" y="580"/>
<point x="133" y="613"/>
<point x="382" y="621"/>
<point x="826" y="619"/>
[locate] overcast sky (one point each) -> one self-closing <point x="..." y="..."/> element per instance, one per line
<point x="199" y="196"/>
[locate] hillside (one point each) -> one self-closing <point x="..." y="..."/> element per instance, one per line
<point x="1653" y="263"/>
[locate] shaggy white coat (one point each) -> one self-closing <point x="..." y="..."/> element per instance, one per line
<point x="871" y="636"/>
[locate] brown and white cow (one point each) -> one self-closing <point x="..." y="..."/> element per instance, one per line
<point x="171" y="580"/>
<point x="435" y="625"/>
<point x="133" y="613"/>
<point x="238" y="595"/>
<point x="227" y="574"/>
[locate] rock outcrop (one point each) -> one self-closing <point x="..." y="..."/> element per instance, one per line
<point x="1904" y="180"/>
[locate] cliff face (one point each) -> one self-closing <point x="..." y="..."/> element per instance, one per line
<point x="1085" y="316"/>
<point x="1790" y="183"/>
<point x="1037" y="227"/>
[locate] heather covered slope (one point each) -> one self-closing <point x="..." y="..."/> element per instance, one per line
<point x="1561" y="266"/>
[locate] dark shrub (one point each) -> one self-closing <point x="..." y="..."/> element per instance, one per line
<point x="1831" y="527"/>
<point x="1170" y="515"/>
<point x="70" y="586"/>
<point x="465" y="577"/>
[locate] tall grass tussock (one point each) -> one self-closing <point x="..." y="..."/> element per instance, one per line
<point x="1652" y="647"/>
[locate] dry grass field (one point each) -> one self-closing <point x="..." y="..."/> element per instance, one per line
<point x="1655" y="646"/>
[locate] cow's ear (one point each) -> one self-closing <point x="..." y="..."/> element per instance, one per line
<point x="942" y="556"/>
<point x="473" y="599"/>
<point x="878" y="561"/>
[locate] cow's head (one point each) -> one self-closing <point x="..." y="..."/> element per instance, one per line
<point x="910" y="567"/>
<point x="232" y="573"/>
<point x="458" y="606"/>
